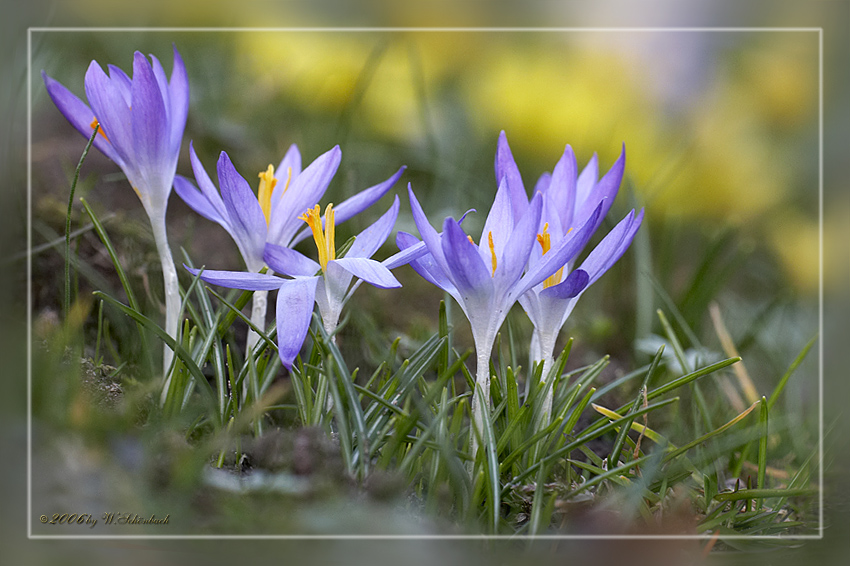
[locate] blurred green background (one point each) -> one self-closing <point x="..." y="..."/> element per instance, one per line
<point x="720" y="128"/>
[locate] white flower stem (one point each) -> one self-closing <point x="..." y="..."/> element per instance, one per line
<point x="259" y="306"/>
<point x="482" y="380"/>
<point x="172" y="292"/>
<point x="547" y="348"/>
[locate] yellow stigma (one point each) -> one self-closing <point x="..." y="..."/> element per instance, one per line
<point x="264" y="193"/>
<point x="493" y="260"/>
<point x="95" y="125"/>
<point x="545" y="241"/>
<point x="324" y="240"/>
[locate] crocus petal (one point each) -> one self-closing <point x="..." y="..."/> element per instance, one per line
<point x="179" y="98"/>
<point x="246" y="217"/>
<point x="289" y="165"/>
<point x="151" y="137"/>
<point x="369" y="240"/>
<point x="289" y="262"/>
<point x="519" y="245"/>
<point x="506" y="169"/>
<point x="369" y="271"/>
<point x="557" y="257"/>
<point x="612" y="247"/>
<point x="543" y="183"/>
<point x="428" y="233"/>
<point x="207" y="186"/>
<point x="111" y="111"/>
<point x="466" y="268"/>
<point x="294" y="312"/>
<point x="161" y="83"/>
<point x="564" y="184"/>
<point x="78" y="114"/>
<point x="499" y="224"/>
<point x="574" y="284"/>
<point x="605" y="190"/>
<point x="410" y="248"/>
<point x="304" y="192"/>
<point x="587" y="180"/>
<point x="356" y="204"/>
<point x="122" y="82"/>
<point x="239" y="279"/>
<point x="421" y="261"/>
<point x="196" y="200"/>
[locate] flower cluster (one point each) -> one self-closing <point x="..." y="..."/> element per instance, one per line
<point x="526" y="252"/>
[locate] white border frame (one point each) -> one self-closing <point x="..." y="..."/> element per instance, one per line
<point x="706" y="537"/>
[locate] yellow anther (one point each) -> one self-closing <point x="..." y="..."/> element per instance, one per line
<point x="96" y="125"/>
<point x="471" y="241"/>
<point x="288" y="179"/>
<point x="545" y="241"/>
<point x="264" y="194"/>
<point x="493" y="259"/>
<point x="324" y="240"/>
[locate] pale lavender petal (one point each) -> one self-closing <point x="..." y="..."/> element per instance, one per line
<point x="587" y="180"/>
<point x="369" y="240"/>
<point x="239" y="279"/>
<point x="111" y="111"/>
<point x="246" y="217"/>
<point x="304" y="192"/>
<point x="613" y="246"/>
<point x="563" y="186"/>
<point x="122" y="82"/>
<point x="207" y="187"/>
<point x="356" y="204"/>
<point x="162" y="84"/>
<point x="78" y="114"/>
<point x="410" y="248"/>
<point x="522" y="239"/>
<point x="499" y="223"/>
<point x="289" y="262"/>
<point x="428" y="233"/>
<point x="506" y="169"/>
<point x="571" y="245"/>
<point x="179" y="99"/>
<point x="574" y="284"/>
<point x="288" y="169"/>
<point x="149" y="121"/>
<point x="421" y="261"/>
<point x="369" y="271"/>
<point x="466" y="268"/>
<point x="196" y="200"/>
<point x="543" y="183"/>
<point x="291" y="159"/>
<point x="294" y="312"/>
<point x="605" y="190"/>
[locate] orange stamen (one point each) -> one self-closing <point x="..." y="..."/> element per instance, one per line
<point x="95" y="125"/>
<point x="493" y="259"/>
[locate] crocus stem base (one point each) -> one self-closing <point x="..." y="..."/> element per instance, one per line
<point x="482" y="381"/>
<point x="172" y="292"/>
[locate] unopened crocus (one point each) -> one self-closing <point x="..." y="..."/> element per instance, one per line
<point x="273" y="214"/>
<point x="140" y="123"/>
<point x="487" y="278"/>
<point x="326" y="283"/>
<point x="568" y="199"/>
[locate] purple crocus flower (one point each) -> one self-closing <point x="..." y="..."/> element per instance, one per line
<point x="487" y="278"/>
<point x="140" y="122"/>
<point x="325" y="282"/>
<point x="272" y="215"/>
<point x="568" y="199"/>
